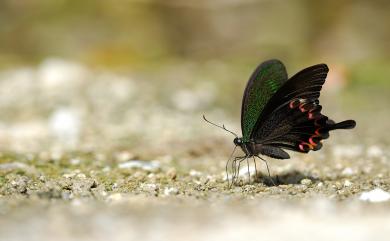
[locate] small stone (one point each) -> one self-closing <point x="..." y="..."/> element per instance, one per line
<point x="20" y="184"/>
<point x="347" y="183"/>
<point x="195" y="173"/>
<point x="306" y="182"/>
<point x="124" y="156"/>
<point x="144" y="165"/>
<point x="81" y="175"/>
<point x="320" y="184"/>
<point x="149" y="187"/>
<point x="42" y="178"/>
<point x="82" y="187"/>
<point x="172" y="174"/>
<point x="347" y="171"/>
<point x="69" y="175"/>
<point x="376" y="195"/>
<point x="170" y="191"/>
<point x="74" y="161"/>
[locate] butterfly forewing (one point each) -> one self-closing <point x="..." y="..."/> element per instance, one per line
<point x="266" y="80"/>
<point x="306" y="84"/>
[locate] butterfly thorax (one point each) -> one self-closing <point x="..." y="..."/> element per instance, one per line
<point x="246" y="146"/>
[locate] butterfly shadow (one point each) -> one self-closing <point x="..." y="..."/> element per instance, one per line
<point x="293" y="177"/>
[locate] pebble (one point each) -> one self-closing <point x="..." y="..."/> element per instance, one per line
<point x="170" y="191"/>
<point x="144" y="165"/>
<point x="306" y="182"/>
<point x="20" y="184"/>
<point x="347" y="183"/>
<point x="376" y="195"/>
<point x="172" y="173"/>
<point x="69" y="175"/>
<point x="124" y="156"/>
<point x="195" y="173"/>
<point x="149" y="187"/>
<point x="74" y="161"/>
<point x="347" y="171"/>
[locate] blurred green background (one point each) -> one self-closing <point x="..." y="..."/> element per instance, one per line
<point x="140" y="33"/>
<point x="119" y="63"/>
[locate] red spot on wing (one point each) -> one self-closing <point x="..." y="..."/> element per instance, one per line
<point x="294" y="103"/>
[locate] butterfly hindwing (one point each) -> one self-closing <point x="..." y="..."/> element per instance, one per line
<point x="265" y="81"/>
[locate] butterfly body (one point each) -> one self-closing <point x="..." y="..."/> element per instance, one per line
<point x="251" y="148"/>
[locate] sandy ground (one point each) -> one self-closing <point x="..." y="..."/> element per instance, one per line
<point x="77" y="167"/>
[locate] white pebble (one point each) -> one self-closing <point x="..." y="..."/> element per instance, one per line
<point x="170" y="191"/>
<point x="347" y="171"/>
<point x="74" y="161"/>
<point x="149" y="187"/>
<point x="195" y="173"/>
<point x="376" y="195"/>
<point x="347" y="183"/>
<point x="124" y="156"/>
<point x="144" y="165"/>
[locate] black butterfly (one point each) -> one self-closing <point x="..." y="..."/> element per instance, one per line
<point x="283" y="113"/>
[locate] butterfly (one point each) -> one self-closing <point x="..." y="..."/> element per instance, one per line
<point x="280" y="113"/>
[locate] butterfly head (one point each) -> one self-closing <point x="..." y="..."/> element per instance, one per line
<point x="238" y="141"/>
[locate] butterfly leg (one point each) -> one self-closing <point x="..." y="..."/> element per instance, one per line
<point x="245" y="158"/>
<point x="254" y="161"/>
<point x="249" y="173"/>
<point x="235" y="168"/>
<point x="269" y="173"/>
<point x="227" y="165"/>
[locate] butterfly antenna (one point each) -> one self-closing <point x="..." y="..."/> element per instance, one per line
<point x="222" y="127"/>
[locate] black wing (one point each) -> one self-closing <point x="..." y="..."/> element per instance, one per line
<point x="292" y="119"/>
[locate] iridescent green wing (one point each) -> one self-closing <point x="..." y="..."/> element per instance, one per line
<point x="262" y="85"/>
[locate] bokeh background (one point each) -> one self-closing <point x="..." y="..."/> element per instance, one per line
<point x="89" y="85"/>
<point x="93" y="74"/>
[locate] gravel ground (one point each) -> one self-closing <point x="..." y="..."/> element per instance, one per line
<point x="66" y="176"/>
